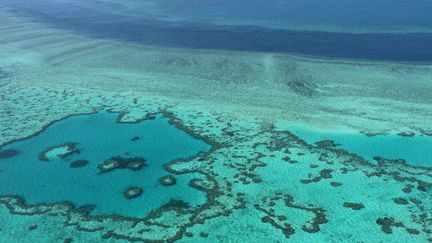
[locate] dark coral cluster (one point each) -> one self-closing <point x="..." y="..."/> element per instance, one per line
<point x="133" y="192"/>
<point x="323" y="174"/>
<point x="79" y="163"/>
<point x="387" y="223"/>
<point x="167" y="180"/>
<point x="8" y="153"/>
<point x="279" y="221"/>
<point x="406" y="134"/>
<point x="353" y="206"/>
<point x="118" y="162"/>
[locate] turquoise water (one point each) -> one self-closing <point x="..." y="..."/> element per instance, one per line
<point x="415" y="150"/>
<point x="99" y="137"/>
<point x="69" y="56"/>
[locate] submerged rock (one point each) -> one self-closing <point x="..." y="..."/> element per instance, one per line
<point x="167" y="180"/>
<point x="406" y="134"/>
<point x="325" y="144"/>
<point x="335" y="184"/>
<point x="426" y="132"/>
<point x="32" y="227"/>
<point x="132" y="192"/>
<point x="353" y="206"/>
<point x="87" y="208"/>
<point x="372" y="134"/>
<point x="135" y="163"/>
<point x="401" y="201"/>
<point x="8" y="153"/>
<point x="79" y="163"/>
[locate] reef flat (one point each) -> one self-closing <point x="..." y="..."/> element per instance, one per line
<point x="267" y="181"/>
<point x="259" y="181"/>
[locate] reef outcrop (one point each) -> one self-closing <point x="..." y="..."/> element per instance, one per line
<point x="134" y="163"/>
<point x="167" y="180"/>
<point x="58" y="151"/>
<point x="133" y="192"/>
<point x="8" y="153"/>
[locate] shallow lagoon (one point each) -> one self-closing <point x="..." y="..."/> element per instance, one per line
<point x="98" y="138"/>
<point x="412" y="149"/>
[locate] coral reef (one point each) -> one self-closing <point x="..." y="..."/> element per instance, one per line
<point x="58" y="151"/>
<point x="132" y="192"/>
<point x="167" y="180"/>
<point x="118" y="162"/>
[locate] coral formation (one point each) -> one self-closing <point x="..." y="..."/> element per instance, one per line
<point x="58" y="151"/>
<point x="167" y="180"/>
<point x="132" y="192"/>
<point x="118" y="162"/>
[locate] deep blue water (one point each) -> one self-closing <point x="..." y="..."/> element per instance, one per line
<point x="191" y="33"/>
<point x="99" y="137"/>
<point x="348" y="13"/>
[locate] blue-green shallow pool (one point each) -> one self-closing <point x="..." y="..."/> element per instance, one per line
<point x="415" y="150"/>
<point x="99" y="137"/>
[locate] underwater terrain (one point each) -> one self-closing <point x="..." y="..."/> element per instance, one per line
<point x="215" y="121"/>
